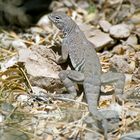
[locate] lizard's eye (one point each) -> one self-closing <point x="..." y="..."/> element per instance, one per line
<point x="57" y="18"/>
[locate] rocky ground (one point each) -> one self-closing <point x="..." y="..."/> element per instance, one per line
<point x="29" y="75"/>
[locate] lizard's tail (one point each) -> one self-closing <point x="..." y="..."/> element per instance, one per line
<point x="92" y="92"/>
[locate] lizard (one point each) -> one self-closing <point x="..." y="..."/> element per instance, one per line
<point x="86" y="63"/>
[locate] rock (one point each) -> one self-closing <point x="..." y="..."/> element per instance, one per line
<point x="18" y="44"/>
<point x="5" y="41"/>
<point x="104" y="25"/>
<point x="44" y="23"/>
<point x="131" y="136"/>
<point x="23" y="98"/>
<point x="37" y="63"/>
<point x="68" y="3"/>
<point x="120" y="31"/>
<point x="132" y="40"/>
<point x="101" y="40"/>
<point x="47" y="83"/>
<point x="128" y="79"/>
<point x="97" y="37"/>
<point x="42" y="71"/>
<point x="122" y="64"/>
<point x="119" y="49"/>
<point x="8" y="63"/>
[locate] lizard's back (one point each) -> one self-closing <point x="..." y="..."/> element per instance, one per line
<point x="82" y="53"/>
<point x="84" y="59"/>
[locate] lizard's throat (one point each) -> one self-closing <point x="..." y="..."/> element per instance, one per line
<point x="69" y="28"/>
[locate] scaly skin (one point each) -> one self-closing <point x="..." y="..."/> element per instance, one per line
<point x="85" y="62"/>
<point x="82" y="55"/>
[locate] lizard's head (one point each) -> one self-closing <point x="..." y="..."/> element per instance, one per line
<point x="60" y="19"/>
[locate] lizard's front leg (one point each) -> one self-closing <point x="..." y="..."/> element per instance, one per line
<point x="68" y="77"/>
<point x="118" y="79"/>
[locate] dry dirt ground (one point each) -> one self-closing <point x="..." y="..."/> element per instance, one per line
<point x="29" y="75"/>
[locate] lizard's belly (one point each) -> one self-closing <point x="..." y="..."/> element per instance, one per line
<point x="77" y="60"/>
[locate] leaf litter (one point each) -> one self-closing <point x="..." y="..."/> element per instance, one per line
<point x="29" y="75"/>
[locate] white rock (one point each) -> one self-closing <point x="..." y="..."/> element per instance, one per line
<point x="18" y="44"/>
<point x="105" y="25"/>
<point x="120" y="31"/>
<point x="1" y="118"/>
<point x="132" y="40"/>
<point x="101" y="39"/>
<point x="23" y="98"/>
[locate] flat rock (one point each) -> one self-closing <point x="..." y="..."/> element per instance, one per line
<point x="97" y="37"/>
<point x="37" y="63"/>
<point x="101" y="40"/>
<point x="105" y="25"/>
<point x="18" y="44"/>
<point x="132" y="40"/>
<point x="120" y="31"/>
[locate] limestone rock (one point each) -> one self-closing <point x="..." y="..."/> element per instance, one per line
<point x="120" y="31"/>
<point x="104" y="25"/>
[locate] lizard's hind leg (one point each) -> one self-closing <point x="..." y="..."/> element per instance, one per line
<point x="117" y="78"/>
<point x="69" y="77"/>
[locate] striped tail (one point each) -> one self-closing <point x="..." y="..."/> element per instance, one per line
<point x="92" y="91"/>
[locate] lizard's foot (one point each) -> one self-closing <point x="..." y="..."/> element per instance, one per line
<point x="96" y="123"/>
<point x="112" y="118"/>
<point x="110" y="121"/>
<point x="107" y="122"/>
